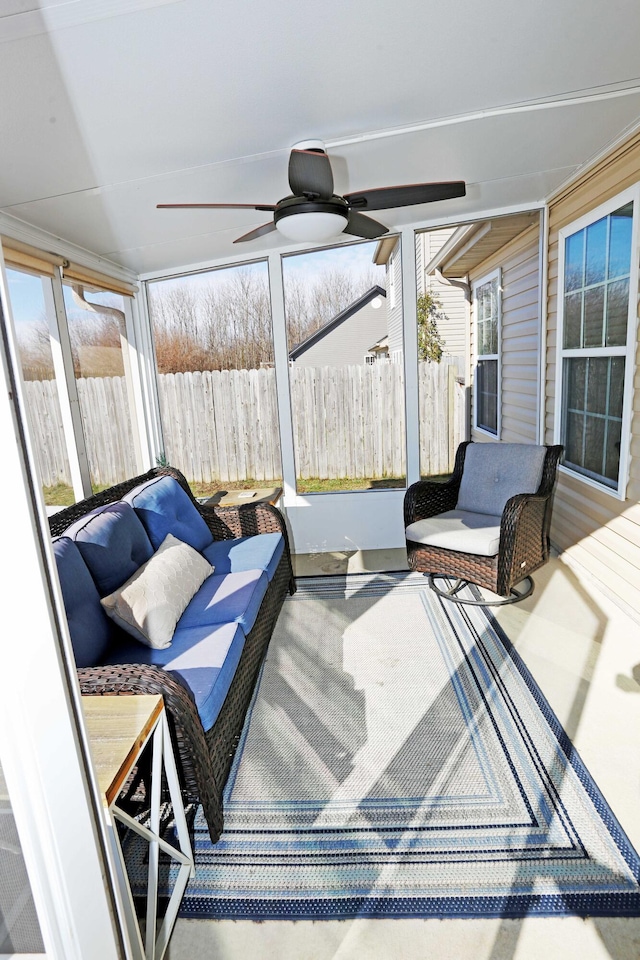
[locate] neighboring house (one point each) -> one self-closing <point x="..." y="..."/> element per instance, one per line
<point x="553" y="354"/>
<point x="387" y="254"/>
<point x="352" y="337"/>
<point x="451" y="296"/>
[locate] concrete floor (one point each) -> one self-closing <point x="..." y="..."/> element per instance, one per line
<point x="584" y="653"/>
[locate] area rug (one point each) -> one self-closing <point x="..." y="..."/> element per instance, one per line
<point x="400" y="761"/>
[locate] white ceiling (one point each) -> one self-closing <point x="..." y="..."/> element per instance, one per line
<point x="112" y="106"/>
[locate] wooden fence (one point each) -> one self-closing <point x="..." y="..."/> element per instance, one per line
<point x="223" y="425"/>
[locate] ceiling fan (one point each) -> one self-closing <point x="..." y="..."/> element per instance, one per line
<point x="313" y="212"/>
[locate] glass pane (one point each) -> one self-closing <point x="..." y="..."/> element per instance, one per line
<point x="620" y="241"/>
<point x="612" y="452"/>
<point x="216" y="378"/>
<point x="574" y="436"/>
<point x="96" y="329"/>
<point x="617" y="313"/>
<point x="493" y="343"/>
<point x="487" y="395"/>
<point x="346" y="368"/>
<point x="593" y="392"/>
<point x="593" y="316"/>
<point x="573" y="320"/>
<point x="19" y="927"/>
<point x="596" y="252"/>
<point x="616" y="388"/>
<point x="29" y="305"/>
<point x="594" y="444"/>
<point x="598" y="392"/>
<point x="574" y="262"/>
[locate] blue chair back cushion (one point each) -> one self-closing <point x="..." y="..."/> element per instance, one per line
<point x="495" y="472"/>
<point x="113" y="544"/>
<point x="89" y="625"/>
<point x="164" y="507"/>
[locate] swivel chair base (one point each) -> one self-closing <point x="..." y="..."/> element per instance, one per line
<point x="452" y="593"/>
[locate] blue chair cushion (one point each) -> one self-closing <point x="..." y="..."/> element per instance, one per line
<point x="261" y="552"/>
<point x="203" y="658"/>
<point x="113" y="544"/>
<point x="89" y="625"/>
<point x="164" y="507"/>
<point x="495" y="472"/>
<point x="227" y="598"/>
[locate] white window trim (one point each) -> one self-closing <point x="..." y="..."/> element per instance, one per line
<point x="487" y="278"/>
<point x="632" y="194"/>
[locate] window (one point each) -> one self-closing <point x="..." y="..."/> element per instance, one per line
<point x="595" y="342"/>
<point x="97" y="333"/>
<point x="347" y="408"/>
<point x="216" y="379"/>
<point x="486" y="296"/>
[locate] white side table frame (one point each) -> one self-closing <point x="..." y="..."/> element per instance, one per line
<point x="122" y="727"/>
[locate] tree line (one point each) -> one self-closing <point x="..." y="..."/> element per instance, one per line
<point x="221" y="326"/>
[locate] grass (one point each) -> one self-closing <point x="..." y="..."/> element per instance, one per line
<point x="61" y="494"/>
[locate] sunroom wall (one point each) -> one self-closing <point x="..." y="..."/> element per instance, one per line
<point x="520" y="338"/>
<point x="593" y="528"/>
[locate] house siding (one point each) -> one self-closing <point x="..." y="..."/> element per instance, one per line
<point x="348" y="342"/>
<point x="600" y="532"/>
<point x="452" y="298"/>
<point x="396" y="340"/>
<point x="520" y="339"/>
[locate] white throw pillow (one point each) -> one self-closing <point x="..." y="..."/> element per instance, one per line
<point x="150" y="603"/>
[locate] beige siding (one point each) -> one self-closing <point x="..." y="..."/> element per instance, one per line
<point x="396" y="339"/>
<point x="349" y="342"/>
<point x="519" y="262"/>
<point x="599" y="531"/>
<point x="452" y="298"/>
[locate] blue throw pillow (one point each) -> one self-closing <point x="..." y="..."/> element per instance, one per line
<point x="113" y="544"/>
<point x="164" y="507"/>
<point x="89" y="626"/>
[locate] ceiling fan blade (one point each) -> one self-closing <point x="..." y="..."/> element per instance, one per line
<point x="310" y="172"/>
<point x="258" y="232"/>
<point x="383" y="198"/>
<point x="216" y="206"/>
<point x="365" y="227"/>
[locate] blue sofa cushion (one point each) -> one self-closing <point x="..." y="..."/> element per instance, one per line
<point x="164" y="507"/>
<point x="203" y="658"/>
<point x="89" y="626"/>
<point x="113" y="544"/>
<point x="261" y="552"/>
<point x="227" y="598"/>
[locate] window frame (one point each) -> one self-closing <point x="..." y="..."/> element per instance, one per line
<point x="627" y="351"/>
<point x="476" y="286"/>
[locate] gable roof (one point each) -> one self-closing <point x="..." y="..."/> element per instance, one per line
<point x="340" y="318"/>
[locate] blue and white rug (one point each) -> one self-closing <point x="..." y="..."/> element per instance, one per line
<point x="400" y="761"/>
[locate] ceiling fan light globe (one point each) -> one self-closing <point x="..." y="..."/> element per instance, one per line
<point x="312" y="226"/>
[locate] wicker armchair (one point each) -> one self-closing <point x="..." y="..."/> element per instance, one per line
<point x="460" y="530"/>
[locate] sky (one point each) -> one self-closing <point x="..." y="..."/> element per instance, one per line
<point x="357" y="257"/>
<point x="28" y="304"/>
<point x="27" y="300"/>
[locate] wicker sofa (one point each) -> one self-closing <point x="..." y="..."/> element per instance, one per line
<point x="208" y="673"/>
